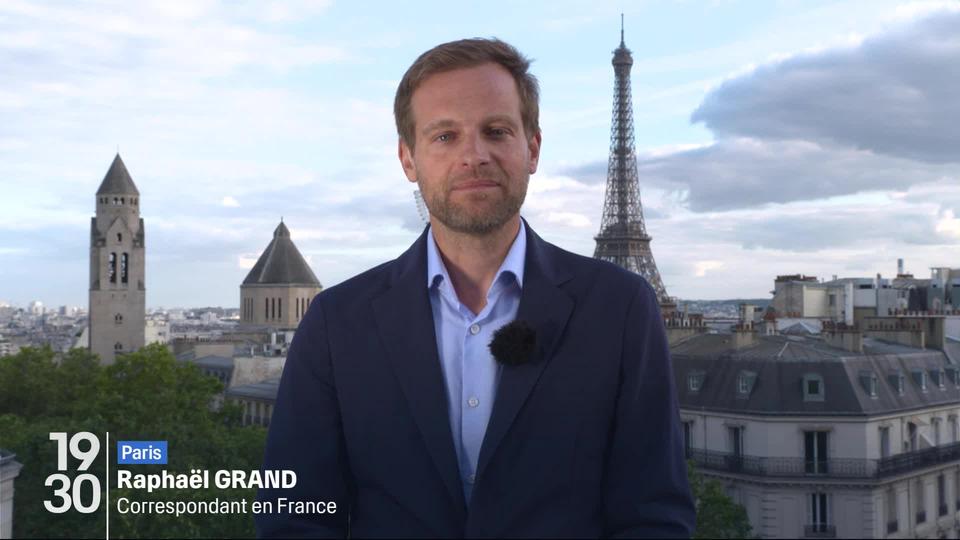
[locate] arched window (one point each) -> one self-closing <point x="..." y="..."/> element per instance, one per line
<point x="118" y="346"/>
<point x="123" y="268"/>
<point x="112" y="268"/>
<point x="122" y="201"/>
<point x="119" y="237"/>
<point x="118" y="318"/>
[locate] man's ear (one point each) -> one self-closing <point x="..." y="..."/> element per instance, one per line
<point x="533" y="145"/>
<point x="406" y="160"/>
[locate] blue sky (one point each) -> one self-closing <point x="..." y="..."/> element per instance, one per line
<point x="773" y="136"/>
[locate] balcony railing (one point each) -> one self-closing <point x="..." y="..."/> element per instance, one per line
<point x="831" y="468"/>
<point x="820" y="530"/>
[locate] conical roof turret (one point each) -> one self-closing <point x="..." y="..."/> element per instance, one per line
<point x="281" y="263"/>
<point x="117" y="180"/>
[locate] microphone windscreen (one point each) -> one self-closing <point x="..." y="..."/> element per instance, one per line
<point x="514" y="343"/>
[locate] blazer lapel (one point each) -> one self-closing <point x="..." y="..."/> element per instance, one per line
<point x="547" y="309"/>
<point x="405" y="322"/>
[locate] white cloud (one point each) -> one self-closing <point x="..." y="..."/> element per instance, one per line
<point x="701" y="268"/>
<point x="892" y="93"/>
<point x="229" y="202"/>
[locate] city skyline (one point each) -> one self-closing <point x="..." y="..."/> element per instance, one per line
<point x="773" y="138"/>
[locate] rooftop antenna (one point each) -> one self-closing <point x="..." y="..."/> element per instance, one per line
<point x="621" y="30"/>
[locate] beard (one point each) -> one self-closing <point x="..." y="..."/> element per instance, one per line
<point x="490" y="209"/>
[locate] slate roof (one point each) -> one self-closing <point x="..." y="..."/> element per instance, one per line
<point x="265" y="390"/>
<point x="781" y="362"/>
<point x="117" y="181"/>
<point x="281" y="263"/>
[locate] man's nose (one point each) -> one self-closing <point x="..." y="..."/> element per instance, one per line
<point x="475" y="151"/>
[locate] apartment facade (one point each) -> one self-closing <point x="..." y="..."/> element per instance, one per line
<point x="820" y="441"/>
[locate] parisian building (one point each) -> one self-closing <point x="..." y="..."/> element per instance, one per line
<point x="846" y="431"/>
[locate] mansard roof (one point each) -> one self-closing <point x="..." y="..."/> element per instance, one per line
<point x="281" y="263"/>
<point x="782" y="362"/>
<point x="117" y="181"/>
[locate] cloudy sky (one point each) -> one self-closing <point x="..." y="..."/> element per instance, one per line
<point x="772" y="137"/>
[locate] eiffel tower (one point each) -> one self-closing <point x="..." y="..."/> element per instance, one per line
<point x="623" y="238"/>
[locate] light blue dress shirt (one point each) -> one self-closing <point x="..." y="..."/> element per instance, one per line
<point x="463" y="338"/>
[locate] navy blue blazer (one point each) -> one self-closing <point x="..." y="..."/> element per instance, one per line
<point x="584" y="441"/>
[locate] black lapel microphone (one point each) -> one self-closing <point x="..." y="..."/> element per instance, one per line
<point x="514" y="343"/>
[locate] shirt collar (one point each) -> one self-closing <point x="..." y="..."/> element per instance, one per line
<point x="512" y="264"/>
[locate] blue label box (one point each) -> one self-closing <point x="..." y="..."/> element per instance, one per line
<point x="141" y="452"/>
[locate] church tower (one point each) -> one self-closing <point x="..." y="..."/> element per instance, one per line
<point x="279" y="287"/>
<point x="117" y="270"/>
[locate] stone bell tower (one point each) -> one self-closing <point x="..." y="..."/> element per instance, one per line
<point x="117" y="269"/>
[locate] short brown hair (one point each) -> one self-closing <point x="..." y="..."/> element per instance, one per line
<point x="467" y="53"/>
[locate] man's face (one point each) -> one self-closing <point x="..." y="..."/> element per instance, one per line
<point x="472" y="158"/>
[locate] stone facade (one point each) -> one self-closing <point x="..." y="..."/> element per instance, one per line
<point x="117" y="267"/>
<point x="279" y="287"/>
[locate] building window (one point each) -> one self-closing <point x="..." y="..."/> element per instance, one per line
<point x="819" y="513"/>
<point x="123" y="268"/>
<point x="112" y="268"/>
<point x="911" y="437"/>
<point x="687" y="439"/>
<point x="266" y="308"/>
<point x="118" y="346"/>
<point x="745" y="383"/>
<point x="813" y="389"/>
<point x="920" y="377"/>
<point x="897" y="382"/>
<point x="119" y="237"/>
<point x="695" y="381"/>
<point x="891" y="500"/>
<point x="279" y="308"/>
<point x="941" y="495"/>
<point x="884" y="441"/>
<point x="936" y="431"/>
<point x="735" y="458"/>
<point x="815" y="452"/>
<point x="921" y="509"/>
<point x="956" y="491"/>
<point x="273" y="308"/>
<point x="952" y="420"/>
<point x="869" y="382"/>
<point x="118" y="319"/>
<point x="938" y="377"/>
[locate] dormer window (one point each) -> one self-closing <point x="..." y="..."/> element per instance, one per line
<point x="870" y="383"/>
<point x="813" y="387"/>
<point x="896" y="380"/>
<point x="695" y="380"/>
<point x="938" y="377"/>
<point x="920" y="377"/>
<point x="745" y="383"/>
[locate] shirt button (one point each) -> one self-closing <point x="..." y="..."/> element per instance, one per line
<point x="471" y="479"/>
<point x="474" y="329"/>
<point x="473" y="401"/>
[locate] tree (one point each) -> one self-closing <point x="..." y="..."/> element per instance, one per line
<point x="718" y="516"/>
<point x="147" y="395"/>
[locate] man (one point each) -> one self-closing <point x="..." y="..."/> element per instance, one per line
<point x="392" y="404"/>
